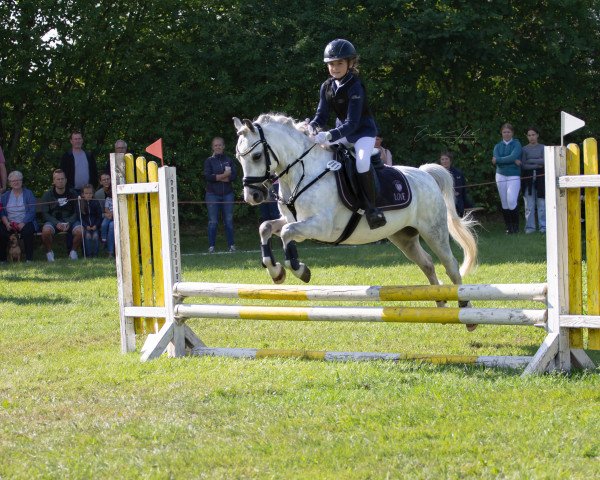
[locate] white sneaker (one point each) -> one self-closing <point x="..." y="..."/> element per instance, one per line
<point x="211" y="249"/>
<point x="232" y="248"/>
<point x="73" y="255"/>
<point x="50" y="256"/>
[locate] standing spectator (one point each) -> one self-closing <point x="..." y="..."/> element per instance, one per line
<point x="507" y="160"/>
<point x="105" y="189"/>
<point x="79" y="166"/>
<point x="120" y="147"/>
<point x="219" y="173"/>
<point x="532" y="179"/>
<point x="384" y="153"/>
<point x="91" y="216"/>
<point x="3" y="177"/>
<point x="17" y="212"/>
<point x="59" y="211"/>
<point x="460" y="183"/>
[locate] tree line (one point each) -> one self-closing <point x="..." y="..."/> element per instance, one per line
<point x="439" y="75"/>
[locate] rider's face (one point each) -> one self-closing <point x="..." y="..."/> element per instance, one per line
<point x="338" y="68"/>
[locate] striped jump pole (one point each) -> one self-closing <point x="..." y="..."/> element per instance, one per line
<point x="327" y="356"/>
<point x="534" y="292"/>
<point x="482" y="316"/>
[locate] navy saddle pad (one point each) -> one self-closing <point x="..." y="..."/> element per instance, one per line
<point x="394" y="190"/>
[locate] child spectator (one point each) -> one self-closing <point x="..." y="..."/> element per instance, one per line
<point x="90" y="214"/>
<point x="108" y="227"/>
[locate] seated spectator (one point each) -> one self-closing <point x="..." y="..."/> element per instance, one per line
<point x="108" y="227"/>
<point x="59" y="212"/>
<point x="460" y="184"/>
<point x="17" y="212"/>
<point x="105" y="190"/>
<point x="91" y="216"/>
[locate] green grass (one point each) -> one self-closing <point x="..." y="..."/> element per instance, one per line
<point x="72" y="406"/>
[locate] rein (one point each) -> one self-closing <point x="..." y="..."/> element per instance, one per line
<point x="251" y="182"/>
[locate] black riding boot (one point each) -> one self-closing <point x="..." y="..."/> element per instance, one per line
<point x="514" y="213"/>
<point x="507" y="220"/>
<point x="375" y="217"/>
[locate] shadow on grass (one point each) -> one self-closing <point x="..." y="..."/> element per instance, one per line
<point x="60" y="272"/>
<point x="22" y="301"/>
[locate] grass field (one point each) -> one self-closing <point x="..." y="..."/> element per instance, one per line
<point x="72" y="406"/>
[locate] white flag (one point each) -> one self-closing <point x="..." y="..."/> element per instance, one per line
<point x="569" y="123"/>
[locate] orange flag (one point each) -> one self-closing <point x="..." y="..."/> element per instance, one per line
<point x="156" y="150"/>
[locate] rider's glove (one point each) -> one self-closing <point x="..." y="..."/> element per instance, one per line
<point x="322" y="137"/>
<point x="312" y="130"/>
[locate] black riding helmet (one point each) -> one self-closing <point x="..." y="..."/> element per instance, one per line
<point x="338" y="49"/>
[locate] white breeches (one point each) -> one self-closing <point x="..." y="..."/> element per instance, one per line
<point x="508" y="188"/>
<point x="363" y="149"/>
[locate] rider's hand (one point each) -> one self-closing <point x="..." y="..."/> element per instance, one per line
<point x="312" y="130"/>
<point x="322" y="137"/>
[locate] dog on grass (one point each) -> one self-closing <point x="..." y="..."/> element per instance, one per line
<point x="14" y="248"/>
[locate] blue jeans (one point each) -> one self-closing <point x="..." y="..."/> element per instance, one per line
<point x="533" y="203"/>
<point x="104" y="228"/>
<point x="110" y="239"/>
<point x="91" y="243"/>
<point x="224" y="204"/>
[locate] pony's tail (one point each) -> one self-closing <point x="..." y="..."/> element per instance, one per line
<point x="461" y="229"/>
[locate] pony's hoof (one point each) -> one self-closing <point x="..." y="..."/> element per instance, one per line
<point x="471" y="326"/>
<point x="305" y="276"/>
<point x="279" y="276"/>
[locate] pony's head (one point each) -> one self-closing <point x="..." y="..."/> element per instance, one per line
<point x="258" y="157"/>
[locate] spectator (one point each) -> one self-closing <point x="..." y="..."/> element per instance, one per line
<point x="17" y="212"/>
<point x="532" y="179"/>
<point x="384" y="153"/>
<point x="460" y="183"/>
<point x="507" y="160"/>
<point x="91" y="216"/>
<point x="3" y="177"/>
<point x="79" y="166"/>
<point x="105" y="190"/>
<point x="219" y="173"/>
<point x="107" y="229"/>
<point x="59" y="211"/>
<point x="120" y="147"/>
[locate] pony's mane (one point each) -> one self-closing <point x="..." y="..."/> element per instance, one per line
<point x="280" y="118"/>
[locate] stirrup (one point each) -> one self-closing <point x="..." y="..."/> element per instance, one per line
<point x="375" y="218"/>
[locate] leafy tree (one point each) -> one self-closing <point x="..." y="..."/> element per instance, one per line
<point x="439" y="75"/>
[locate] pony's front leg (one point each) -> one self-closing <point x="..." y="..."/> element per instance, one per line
<point x="297" y="232"/>
<point x="291" y="261"/>
<point x="266" y="231"/>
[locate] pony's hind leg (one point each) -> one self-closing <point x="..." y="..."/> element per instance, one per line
<point x="439" y="241"/>
<point x="407" y="240"/>
<point x="267" y="230"/>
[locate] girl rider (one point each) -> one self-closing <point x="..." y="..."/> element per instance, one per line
<point x="345" y="94"/>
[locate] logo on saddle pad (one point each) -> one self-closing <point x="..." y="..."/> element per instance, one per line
<point x="399" y="194"/>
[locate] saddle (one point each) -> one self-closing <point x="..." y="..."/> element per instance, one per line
<point x="393" y="190"/>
